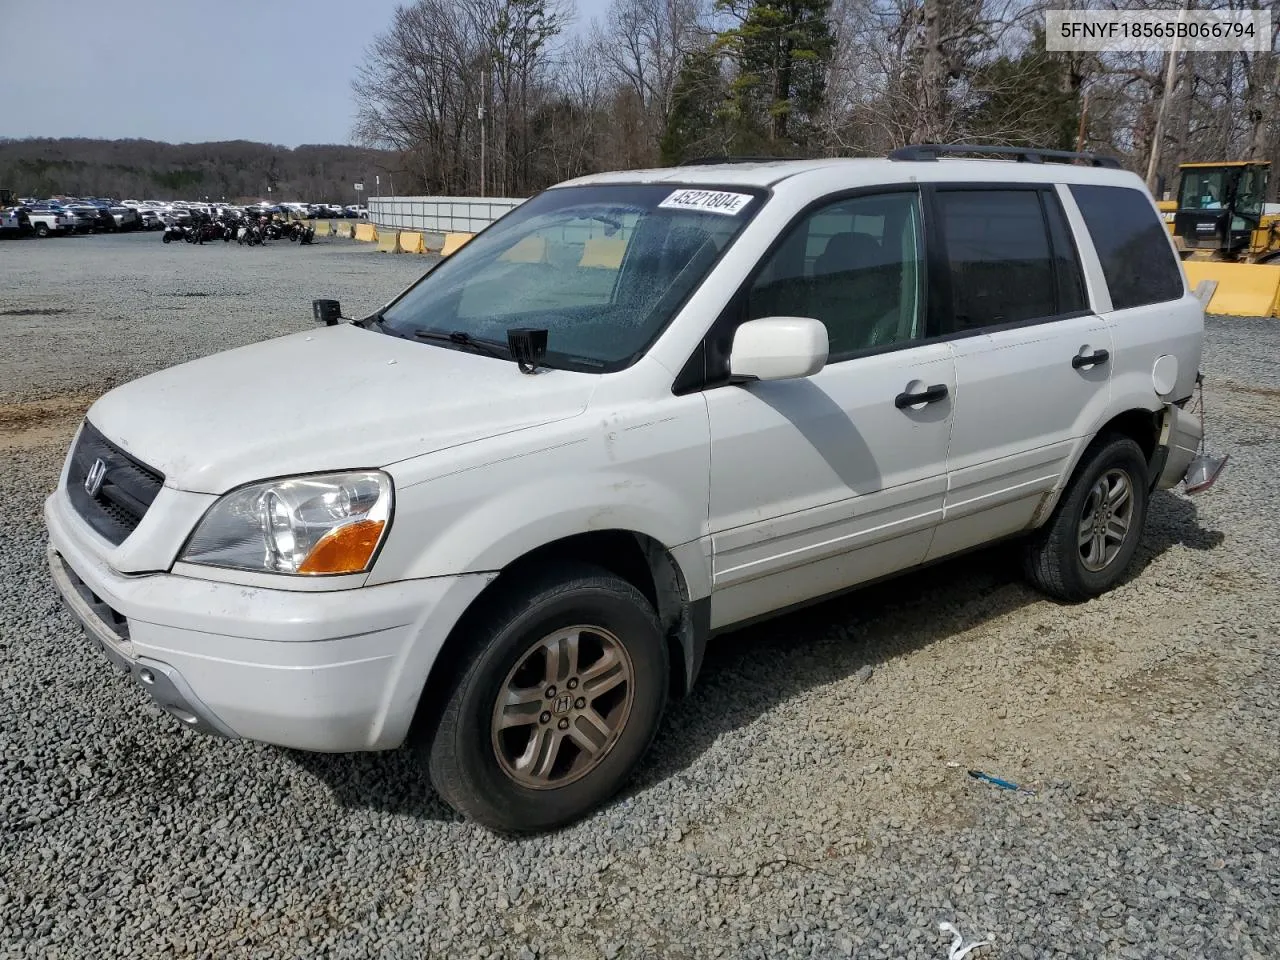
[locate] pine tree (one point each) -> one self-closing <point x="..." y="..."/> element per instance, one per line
<point x="782" y="50"/>
<point x="1027" y="100"/>
<point x="696" y="120"/>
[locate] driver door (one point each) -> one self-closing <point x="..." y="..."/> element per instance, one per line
<point x="821" y="483"/>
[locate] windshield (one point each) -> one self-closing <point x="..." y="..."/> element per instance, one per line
<point x="1203" y="188"/>
<point x="602" y="268"/>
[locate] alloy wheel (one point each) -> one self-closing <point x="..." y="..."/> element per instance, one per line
<point x="1105" y="519"/>
<point x="562" y="707"/>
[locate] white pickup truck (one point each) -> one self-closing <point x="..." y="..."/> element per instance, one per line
<point x="50" y="220"/>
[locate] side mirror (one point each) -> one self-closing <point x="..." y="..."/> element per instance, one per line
<point x="778" y="348"/>
<point x="328" y="312"/>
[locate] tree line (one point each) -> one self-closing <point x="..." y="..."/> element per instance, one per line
<point x="233" y="170"/>
<point x="506" y="97"/>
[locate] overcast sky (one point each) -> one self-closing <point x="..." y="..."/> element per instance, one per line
<point x="278" y="71"/>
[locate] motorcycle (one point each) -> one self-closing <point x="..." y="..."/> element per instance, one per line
<point x="172" y="232"/>
<point x="251" y="233"/>
<point x="299" y="231"/>
<point x="202" y="231"/>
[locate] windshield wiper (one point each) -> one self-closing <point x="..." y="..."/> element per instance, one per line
<point x="493" y="348"/>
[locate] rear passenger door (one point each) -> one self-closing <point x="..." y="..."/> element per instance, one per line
<point x="1032" y="360"/>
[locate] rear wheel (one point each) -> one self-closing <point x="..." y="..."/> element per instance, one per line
<point x="560" y="697"/>
<point x="42" y="230"/>
<point x="1088" y="543"/>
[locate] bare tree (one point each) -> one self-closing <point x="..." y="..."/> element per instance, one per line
<point x="662" y="78"/>
<point x="643" y="44"/>
<point x="417" y="91"/>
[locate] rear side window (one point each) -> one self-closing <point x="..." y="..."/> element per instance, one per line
<point x="1009" y="258"/>
<point x="1132" y="244"/>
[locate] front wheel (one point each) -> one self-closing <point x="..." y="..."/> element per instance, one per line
<point x="1088" y="543"/>
<point x="554" y="706"/>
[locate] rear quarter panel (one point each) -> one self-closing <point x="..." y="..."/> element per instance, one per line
<point x="1141" y="335"/>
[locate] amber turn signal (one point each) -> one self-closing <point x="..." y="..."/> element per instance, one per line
<point x="347" y="549"/>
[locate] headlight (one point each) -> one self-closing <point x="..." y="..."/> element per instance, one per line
<point x="324" y="524"/>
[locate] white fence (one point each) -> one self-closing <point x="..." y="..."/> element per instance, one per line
<point x="439" y="214"/>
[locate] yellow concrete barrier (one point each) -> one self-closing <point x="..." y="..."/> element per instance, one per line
<point x="342" y="230"/>
<point x="453" y="242"/>
<point x="366" y="232"/>
<point x="323" y="228"/>
<point x="605" y="252"/>
<point x="1244" y="289"/>
<point x="387" y="241"/>
<point x="411" y="242"/>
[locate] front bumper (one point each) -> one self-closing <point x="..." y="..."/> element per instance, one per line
<point x="166" y="687"/>
<point x="329" y="671"/>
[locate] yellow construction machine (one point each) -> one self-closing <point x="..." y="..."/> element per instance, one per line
<point x="1225" y="232"/>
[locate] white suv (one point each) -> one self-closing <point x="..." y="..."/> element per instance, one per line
<point x="499" y="518"/>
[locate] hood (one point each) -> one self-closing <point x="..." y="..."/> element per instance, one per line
<point x="336" y="398"/>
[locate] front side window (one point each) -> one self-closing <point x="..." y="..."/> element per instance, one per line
<point x="856" y="265"/>
<point x="602" y="269"/>
<point x="1250" y="194"/>
<point x="1132" y="243"/>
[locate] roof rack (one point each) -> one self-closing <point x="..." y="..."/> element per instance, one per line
<point x="931" y="151"/>
<point x="704" y="161"/>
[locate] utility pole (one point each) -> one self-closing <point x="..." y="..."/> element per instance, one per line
<point x="1084" y="123"/>
<point x="480" y="117"/>
<point x="1157" y="137"/>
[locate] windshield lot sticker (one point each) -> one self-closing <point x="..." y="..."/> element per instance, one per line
<point x="709" y="201"/>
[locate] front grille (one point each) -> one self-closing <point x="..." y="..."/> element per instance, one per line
<point x="127" y="491"/>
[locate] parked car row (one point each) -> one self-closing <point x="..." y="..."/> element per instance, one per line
<point x="68" y="215"/>
<point x="65" y="216"/>
<point x="326" y="211"/>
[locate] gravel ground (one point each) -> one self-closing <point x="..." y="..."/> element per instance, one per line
<point x="810" y="798"/>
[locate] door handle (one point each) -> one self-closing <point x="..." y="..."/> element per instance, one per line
<point x="1081" y="360"/>
<point x="929" y="395"/>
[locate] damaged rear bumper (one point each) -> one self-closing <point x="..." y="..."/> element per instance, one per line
<point x="1180" y="437"/>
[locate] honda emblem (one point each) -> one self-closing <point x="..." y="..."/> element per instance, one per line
<point x="93" y="481"/>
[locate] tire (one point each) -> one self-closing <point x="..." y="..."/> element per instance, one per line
<point x="42" y="230"/>
<point x="1056" y="561"/>
<point x="472" y="761"/>
<point x="166" y="238"/>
